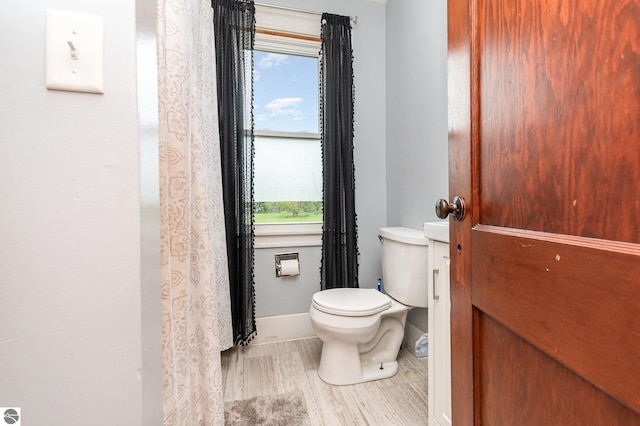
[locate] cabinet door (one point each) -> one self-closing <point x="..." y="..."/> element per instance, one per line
<point x="440" y="339"/>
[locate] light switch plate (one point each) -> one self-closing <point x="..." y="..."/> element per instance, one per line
<point x="75" y="52"/>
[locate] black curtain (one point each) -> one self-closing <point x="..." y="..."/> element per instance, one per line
<point x="234" y="30"/>
<point x="339" y="267"/>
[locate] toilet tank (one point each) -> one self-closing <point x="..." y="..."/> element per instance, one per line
<point x="405" y="266"/>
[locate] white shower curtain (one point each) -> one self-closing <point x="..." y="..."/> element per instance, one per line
<point x="196" y="312"/>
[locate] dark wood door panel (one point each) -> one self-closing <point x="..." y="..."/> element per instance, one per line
<point x="559" y="121"/>
<point x="577" y="300"/>
<point x="544" y="134"/>
<point x="520" y="385"/>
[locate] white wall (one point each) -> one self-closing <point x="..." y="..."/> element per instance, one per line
<point x="286" y="295"/>
<point x="70" y="322"/>
<point x="416" y="86"/>
<point x="416" y="133"/>
<point x="280" y="296"/>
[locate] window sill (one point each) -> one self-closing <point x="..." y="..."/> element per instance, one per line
<point x="295" y="234"/>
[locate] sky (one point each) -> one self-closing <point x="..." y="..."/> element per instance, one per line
<point x="285" y="92"/>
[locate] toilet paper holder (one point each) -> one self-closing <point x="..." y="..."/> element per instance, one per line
<point x="286" y="256"/>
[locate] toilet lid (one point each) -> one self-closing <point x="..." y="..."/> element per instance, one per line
<point x="351" y="302"/>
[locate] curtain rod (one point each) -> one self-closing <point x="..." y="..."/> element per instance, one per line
<point x="353" y="19"/>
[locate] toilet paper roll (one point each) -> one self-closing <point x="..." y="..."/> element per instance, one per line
<point x="289" y="267"/>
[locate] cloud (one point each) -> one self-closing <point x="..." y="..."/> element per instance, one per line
<point x="273" y="60"/>
<point x="285" y="106"/>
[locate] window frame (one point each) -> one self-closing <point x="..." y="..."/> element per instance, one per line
<point x="287" y="234"/>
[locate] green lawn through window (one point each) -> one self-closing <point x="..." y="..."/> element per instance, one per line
<point x="287" y="211"/>
<point x="285" y="217"/>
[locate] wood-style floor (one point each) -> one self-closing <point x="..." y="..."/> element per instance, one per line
<point x="288" y="368"/>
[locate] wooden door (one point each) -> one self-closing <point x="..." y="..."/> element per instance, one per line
<point x="544" y="136"/>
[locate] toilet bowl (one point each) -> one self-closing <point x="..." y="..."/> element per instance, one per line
<point x="362" y="328"/>
<point x="359" y="344"/>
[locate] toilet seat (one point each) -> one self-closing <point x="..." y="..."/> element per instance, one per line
<point x="351" y="302"/>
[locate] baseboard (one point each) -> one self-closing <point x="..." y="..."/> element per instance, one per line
<point x="411" y="335"/>
<point x="280" y="328"/>
<point x="283" y="327"/>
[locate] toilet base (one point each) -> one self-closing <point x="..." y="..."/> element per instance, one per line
<point x="340" y="364"/>
<point x="354" y="354"/>
<point x="369" y="372"/>
<point x="377" y="372"/>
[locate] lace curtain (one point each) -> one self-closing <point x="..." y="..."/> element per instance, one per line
<point x="234" y="27"/>
<point x="339" y="267"/>
<point x="196" y="312"/>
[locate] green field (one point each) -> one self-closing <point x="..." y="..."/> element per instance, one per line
<point x="287" y="211"/>
<point x="286" y="217"/>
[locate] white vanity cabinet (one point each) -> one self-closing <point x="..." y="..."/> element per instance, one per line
<point x="439" y="362"/>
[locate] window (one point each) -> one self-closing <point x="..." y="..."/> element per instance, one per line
<point x="288" y="156"/>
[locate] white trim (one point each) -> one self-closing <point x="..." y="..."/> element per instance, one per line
<point x="283" y="327"/>
<point x="292" y="234"/>
<point x="280" y="328"/>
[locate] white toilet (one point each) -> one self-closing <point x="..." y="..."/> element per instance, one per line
<point x="362" y="328"/>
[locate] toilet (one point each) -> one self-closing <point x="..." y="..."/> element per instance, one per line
<point x="362" y="328"/>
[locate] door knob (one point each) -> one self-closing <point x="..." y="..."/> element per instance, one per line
<point x="456" y="208"/>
